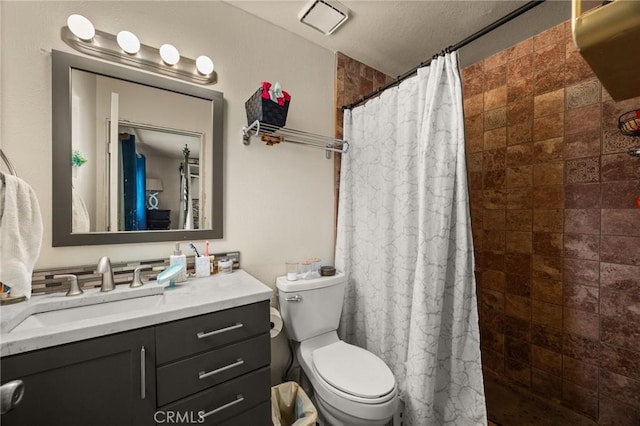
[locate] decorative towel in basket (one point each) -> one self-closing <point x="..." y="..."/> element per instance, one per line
<point x="269" y="104"/>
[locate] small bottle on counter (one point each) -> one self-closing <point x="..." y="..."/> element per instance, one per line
<point x="225" y="266"/>
<point x="214" y="265"/>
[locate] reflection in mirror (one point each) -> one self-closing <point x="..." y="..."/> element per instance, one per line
<point x="151" y="143"/>
<point x="146" y="156"/>
<point x="172" y="190"/>
<point x="158" y="181"/>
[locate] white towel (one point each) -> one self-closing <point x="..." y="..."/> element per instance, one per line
<point x="20" y="235"/>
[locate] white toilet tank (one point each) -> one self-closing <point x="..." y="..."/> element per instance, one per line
<point x="311" y="307"/>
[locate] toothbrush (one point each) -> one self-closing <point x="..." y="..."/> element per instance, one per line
<point x="193" y="247"/>
<point x="206" y="248"/>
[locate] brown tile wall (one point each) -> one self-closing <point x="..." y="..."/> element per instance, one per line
<point x="353" y="81"/>
<point x="556" y="227"/>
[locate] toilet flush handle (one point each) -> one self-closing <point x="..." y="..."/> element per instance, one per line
<point x="296" y="298"/>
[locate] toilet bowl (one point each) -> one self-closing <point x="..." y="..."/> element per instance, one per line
<point x="351" y="386"/>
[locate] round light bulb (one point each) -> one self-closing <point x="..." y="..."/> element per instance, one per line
<point x="204" y="64"/>
<point x="169" y="54"/>
<point x="128" y="42"/>
<point x="81" y="27"/>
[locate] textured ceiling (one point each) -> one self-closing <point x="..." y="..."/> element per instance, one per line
<point x="389" y="35"/>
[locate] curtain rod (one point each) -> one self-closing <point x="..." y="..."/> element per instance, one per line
<point x="519" y="11"/>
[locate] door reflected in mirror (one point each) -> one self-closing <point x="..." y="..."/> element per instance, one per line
<point x="136" y="157"/>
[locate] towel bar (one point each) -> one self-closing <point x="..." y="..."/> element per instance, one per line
<point x="282" y="134"/>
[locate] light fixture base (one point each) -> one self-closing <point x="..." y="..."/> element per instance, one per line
<point x="105" y="46"/>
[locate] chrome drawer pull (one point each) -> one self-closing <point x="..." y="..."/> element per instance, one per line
<point x="202" y="334"/>
<point x="143" y="374"/>
<point x="203" y="375"/>
<point x="238" y="400"/>
<point x="296" y="298"/>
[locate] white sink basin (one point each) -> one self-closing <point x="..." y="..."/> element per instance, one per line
<point x="79" y="313"/>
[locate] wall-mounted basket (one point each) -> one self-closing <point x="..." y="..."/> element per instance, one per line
<point x="265" y="110"/>
<point x="629" y="125"/>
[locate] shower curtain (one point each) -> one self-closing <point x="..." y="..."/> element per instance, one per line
<point x="404" y="241"/>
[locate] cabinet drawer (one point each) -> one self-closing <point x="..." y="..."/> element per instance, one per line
<point x="256" y="416"/>
<point x="190" y="336"/>
<point x="225" y="401"/>
<point x="197" y="373"/>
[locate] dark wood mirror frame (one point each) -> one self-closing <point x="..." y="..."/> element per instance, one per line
<point x="62" y="235"/>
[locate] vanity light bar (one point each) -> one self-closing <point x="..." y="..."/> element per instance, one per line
<point x="105" y="46"/>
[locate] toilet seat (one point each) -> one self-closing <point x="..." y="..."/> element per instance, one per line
<point x="358" y="374"/>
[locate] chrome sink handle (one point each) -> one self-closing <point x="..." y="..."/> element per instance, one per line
<point x="74" y="288"/>
<point x="137" y="282"/>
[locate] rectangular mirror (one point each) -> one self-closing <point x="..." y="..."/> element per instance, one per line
<point x="136" y="157"/>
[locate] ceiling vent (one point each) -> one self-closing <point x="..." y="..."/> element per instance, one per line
<point x="323" y="15"/>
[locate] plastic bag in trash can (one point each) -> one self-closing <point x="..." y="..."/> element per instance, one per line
<point x="290" y="406"/>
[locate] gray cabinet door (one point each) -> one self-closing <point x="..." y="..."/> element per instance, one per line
<point x="103" y="381"/>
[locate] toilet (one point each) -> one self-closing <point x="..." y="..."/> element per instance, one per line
<point x="351" y="386"/>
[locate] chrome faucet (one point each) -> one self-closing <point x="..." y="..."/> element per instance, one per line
<point x="104" y="268"/>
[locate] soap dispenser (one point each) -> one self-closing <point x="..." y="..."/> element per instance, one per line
<point x="179" y="258"/>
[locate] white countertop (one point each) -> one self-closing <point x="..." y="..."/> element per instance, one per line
<point x="196" y="296"/>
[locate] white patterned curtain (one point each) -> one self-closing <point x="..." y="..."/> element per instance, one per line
<point x="404" y="241"/>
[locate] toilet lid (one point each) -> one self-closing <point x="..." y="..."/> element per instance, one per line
<point x="353" y="370"/>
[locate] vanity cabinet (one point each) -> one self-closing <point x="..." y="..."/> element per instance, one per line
<point x="215" y="367"/>
<point x="104" y="381"/>
<point x="211" y="369"/>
